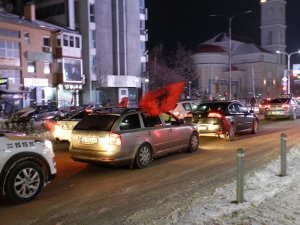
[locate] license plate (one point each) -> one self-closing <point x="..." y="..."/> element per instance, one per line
<point x="202" y="128"/>
<point x="88" y="140"/>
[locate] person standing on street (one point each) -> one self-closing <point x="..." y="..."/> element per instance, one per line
<point x="252" y="103"/>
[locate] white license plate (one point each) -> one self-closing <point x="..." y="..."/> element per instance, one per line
<point x="202" y="128"/>
<point x="88" y="140"/>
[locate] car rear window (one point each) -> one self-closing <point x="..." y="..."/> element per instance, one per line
<point x="97" y="122"/>
<point x="280" y="100"/>
<point x="208" y="107"/>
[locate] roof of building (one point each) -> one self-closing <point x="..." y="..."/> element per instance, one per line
<point x="8" y="17"/>
<point x="219" y="43"/>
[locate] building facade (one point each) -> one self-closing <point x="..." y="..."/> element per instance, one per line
<point x="113" y="44"/>
<point x="33" y="59"/>
<point x="254" y="70"/>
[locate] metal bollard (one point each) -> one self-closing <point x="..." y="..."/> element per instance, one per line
<point x="283" y="154"/>
<point x="240" y="176"/>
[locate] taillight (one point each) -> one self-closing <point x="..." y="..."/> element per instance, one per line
<point x="213" y="114"/>
<point x="188" y="115"/>
<point x="88" y="110"/>
<point x="177" y="114"/>
<point x="267" y="106"/>
<point x="115" y="139"/>
<point x="285" y="106"/>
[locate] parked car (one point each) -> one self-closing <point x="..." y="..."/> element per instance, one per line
<point x="26" y="166"/>
<point x="129" y="136"/>
<point x="184" y="107"/>
<point x="283" y="107"/>
<point x="63" y="128"/>
<point x="265" y="103"/>
<point x="224" y="119"/>
<point x="35" y="113"/>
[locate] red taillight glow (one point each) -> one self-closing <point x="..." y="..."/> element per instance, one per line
<point x="213" y="114"/>
<point x="177" y="114"/>
<point x="115" y="139"/>
<point x="285" y="106"/>
<point x="89" y="110"/>
<point x="267" y="106"/>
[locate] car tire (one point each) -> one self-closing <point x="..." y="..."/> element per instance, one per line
<point x="230" y="134"/>
<point x="143" y="156"/>
<point x="254" y="127"/>
<point x="24" y="182"/>
<point x="293" y="116"/>
<point x="193" y="143"/>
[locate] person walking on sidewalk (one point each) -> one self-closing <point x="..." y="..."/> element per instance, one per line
<point x="252" y="103"/>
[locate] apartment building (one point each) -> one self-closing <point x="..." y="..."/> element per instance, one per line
<point x="37" y="59"/>
<point x="113" y="45"/>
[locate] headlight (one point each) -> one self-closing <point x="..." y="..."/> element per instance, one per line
<point x="48" y="144"/>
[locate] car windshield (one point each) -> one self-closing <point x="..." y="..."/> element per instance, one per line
<point x="209" y="107"/>
<point x="97" y="122"/>
<point x="280" y="100"/>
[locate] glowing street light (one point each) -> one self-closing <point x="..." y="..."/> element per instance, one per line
<point x="288" y="68"/>
<point x="230" y="18"/>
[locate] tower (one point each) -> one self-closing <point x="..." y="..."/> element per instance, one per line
<point x="273" y="25"/>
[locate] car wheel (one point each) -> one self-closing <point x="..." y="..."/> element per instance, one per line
<point x="24" y="182"/>
<point x="193" y="143"/>
<point x="293" y="116"/>
<point x="230" y="135"/>
<point x="143" y="156"/>
<point x="254" y="127"/>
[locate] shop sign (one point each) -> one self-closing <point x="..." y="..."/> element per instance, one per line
<point x="72" y="86"/>
<point x="3" y="81"/>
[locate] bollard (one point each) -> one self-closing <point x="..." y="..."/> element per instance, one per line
<point x="240" y="176"/>
<point x="283" y="154"/>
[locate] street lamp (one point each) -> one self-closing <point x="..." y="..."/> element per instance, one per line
<point x="190" y="89"/>
<point x="288" y="68"/>
<point x="230" y="18"/>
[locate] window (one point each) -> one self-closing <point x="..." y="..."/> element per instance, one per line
<point x="58" y="41"/>
<point x="93" y="64"/>
<point x="92" y="39"/>
<point x="269" y="38"/>
<point x="31" y="67"/>
<point x="130" y="122"/>
<point x="47" y="41"/>
<point x="151" y="121"/>
<point x="66" y="40"/>
<point x="71" y="41"/>
<point x="92" y="13"/>
<point x="9" y="49"/>
<point x="47" y="69"/>
<point x="77" y="42"/>
<point x="26" y="38"/>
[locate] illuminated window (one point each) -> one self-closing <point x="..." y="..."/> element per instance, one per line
<point x="47" y="69"/>
<point x="31" y="67"/>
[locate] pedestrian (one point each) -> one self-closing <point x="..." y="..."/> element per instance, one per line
<point x="252" y="102"/>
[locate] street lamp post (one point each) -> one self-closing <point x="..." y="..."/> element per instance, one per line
<point x="190" y="89"/>
<point x="288" y="67"/>
<point x="230" y="18"/>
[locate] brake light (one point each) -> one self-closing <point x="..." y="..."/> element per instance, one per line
<point x="89" y="110"/>
<point x="267" y="106"/>
<point x="188" y="115"/>
<point x="115" y="139"/>
<point x="285" y="106"/>
<point x="177" y="114"/>
<point x="213" y="114"/>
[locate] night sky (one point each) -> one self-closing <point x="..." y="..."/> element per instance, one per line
<point x="188" y="22"/>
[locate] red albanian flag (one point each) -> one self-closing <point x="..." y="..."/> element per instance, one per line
<point x="162" y="100"/>
<point x="123" y="103"/>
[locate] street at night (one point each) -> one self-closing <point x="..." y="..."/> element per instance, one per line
<point x="90" y="194"/>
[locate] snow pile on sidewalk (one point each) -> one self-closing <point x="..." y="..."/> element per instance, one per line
<point x="269" y="199"/>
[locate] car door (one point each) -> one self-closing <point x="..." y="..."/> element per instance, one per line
<point x="156" y="133"/>
<point x="177" y="135"/>
<point x="237" y="117"/>
<point x="246" y="118"/>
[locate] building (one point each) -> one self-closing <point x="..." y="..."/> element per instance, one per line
<point x="113" y="44"/>
<point x="254" y="70"/>
<point x="34" y="60"/>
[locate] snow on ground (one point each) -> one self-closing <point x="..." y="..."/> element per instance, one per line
<point x="270" y="199"/>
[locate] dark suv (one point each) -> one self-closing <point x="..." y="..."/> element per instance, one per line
<point x="130" y="137"/>
<point x="35" y="113"/>
<point x="223" y="119"/>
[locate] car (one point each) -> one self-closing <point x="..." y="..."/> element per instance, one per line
<point x="35" y="113"/>
<point x="224" y="119"/>
<point x="263" y="104"/>
<point x="285" y="106"/>
<point x="130" y="137"/>
<point x="26" y="165"/>
<point x="63" y="128"/>
<point x="184" y="107"/>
